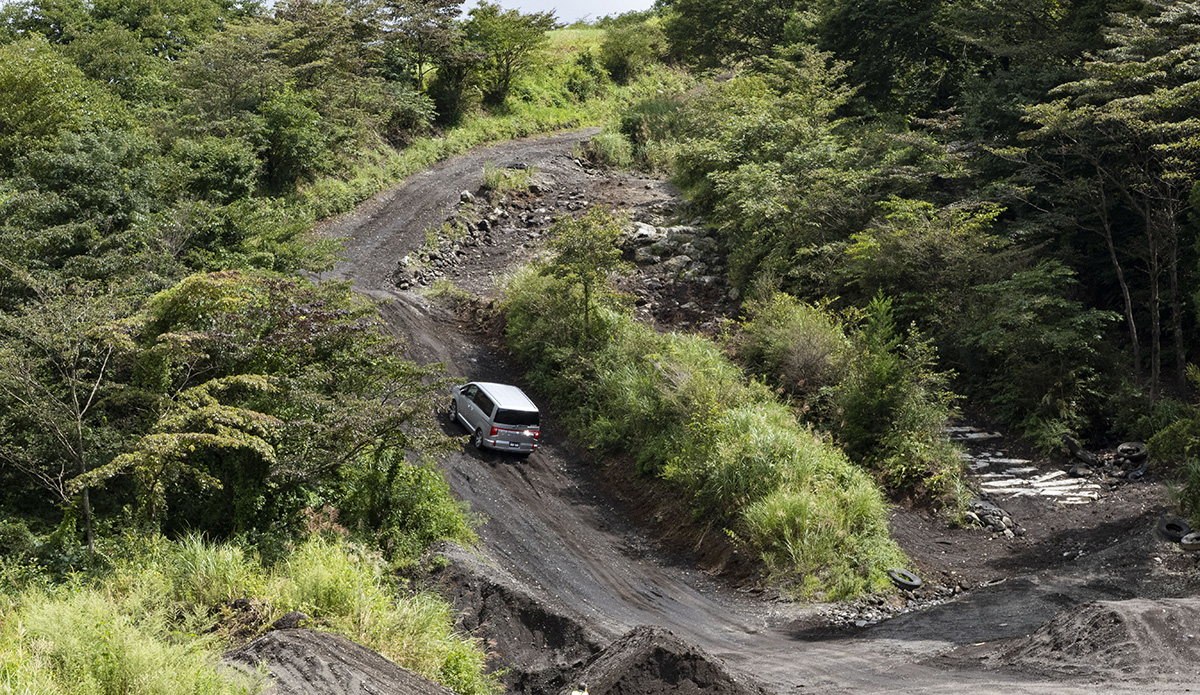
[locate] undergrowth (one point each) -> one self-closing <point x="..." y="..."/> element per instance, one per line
<point x="153" y="623"/>
<point x="690" y="417"/>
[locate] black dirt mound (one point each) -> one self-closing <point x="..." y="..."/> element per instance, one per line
<point x="1134" y="639"/>
<point x="536" y="642"/>
<point x="304" y="662"/>
<point x="653" y="661"/>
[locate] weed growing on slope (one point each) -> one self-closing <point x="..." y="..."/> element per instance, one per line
<point x="690" y="417"/>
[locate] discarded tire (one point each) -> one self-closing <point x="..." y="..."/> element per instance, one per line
<point x="904" y="579"/>
<point x="1190" y="541"/>
<point x="1174" y="529"/>
<point x="1134" y="451"/>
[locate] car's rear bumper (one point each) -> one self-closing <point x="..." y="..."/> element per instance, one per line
<point x="501" y="444"/>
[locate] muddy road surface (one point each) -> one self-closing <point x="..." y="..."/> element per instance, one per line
<point x="555" y="524"/>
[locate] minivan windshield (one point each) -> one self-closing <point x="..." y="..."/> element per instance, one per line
<point x="524" y="418"/>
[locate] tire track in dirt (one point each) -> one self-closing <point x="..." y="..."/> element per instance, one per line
<point x="548" y="524"/>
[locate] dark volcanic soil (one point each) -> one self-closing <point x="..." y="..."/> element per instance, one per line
<point x="302" y="662"/>
<point x="575" y="559"/>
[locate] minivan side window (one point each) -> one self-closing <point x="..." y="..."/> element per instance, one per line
<point x="485" y="404"/>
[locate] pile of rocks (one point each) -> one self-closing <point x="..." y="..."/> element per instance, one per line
<point x="473" y="235"/>
<point x="993" y="518"/>
<point x="689" y="252"/>
<point x="873" y="609"/>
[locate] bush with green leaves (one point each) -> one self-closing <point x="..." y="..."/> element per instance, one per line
<point x="681" y="411"/>
<point x="876" y="392"/>
<point x="152" y="624"/>
<point x="630" y="48"/>
<point x="891" y="410"/>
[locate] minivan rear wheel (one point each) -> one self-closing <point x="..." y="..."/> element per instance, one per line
<point x="477" y="440"/>
<point x="453" y="410"/>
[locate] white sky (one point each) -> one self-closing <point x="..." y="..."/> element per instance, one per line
<point x="569" y="11"/>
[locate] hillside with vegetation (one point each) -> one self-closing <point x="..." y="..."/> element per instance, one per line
<point x="925" y="209"/>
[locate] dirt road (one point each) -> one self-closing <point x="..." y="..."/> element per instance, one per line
<point x="552" y="523"/>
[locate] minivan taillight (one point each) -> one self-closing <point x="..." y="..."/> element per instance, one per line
<point x="536" y="434"/>
<point x="494" y="432"/>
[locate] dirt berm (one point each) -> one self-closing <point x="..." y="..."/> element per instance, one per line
<point x="545" y="650"/>
<point x="319" y="663"/>
<point x="1151" y="640"/>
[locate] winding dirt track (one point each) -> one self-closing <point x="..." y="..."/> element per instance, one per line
<point x="549" y="527"/>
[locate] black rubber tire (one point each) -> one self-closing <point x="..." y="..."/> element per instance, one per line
<point x="904" y="579"/>
<point x="1133" y="451"/>
<point x="1173" y="529"/>
<point x="1190" y="541"/>
<point x="477" y="439"/>
<point x="453" y="410"/>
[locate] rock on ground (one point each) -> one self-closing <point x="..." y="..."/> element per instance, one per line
<point x="320" y="663"/>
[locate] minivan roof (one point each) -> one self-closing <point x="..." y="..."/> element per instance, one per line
<point x="507" y="396"/>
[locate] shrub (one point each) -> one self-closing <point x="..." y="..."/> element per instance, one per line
<point x="627" y="50"/>
<point x="686" y="414"/>
<point x="799" y="347"/>
<point x="342" y="588"/>
<point x="876" y="392"/>
<point x="148" y="626"/>
<point x="401" y="507"/>
<point x="608" y="149"/>
<point x="891" y="411"/>
<point x="498" y="182"/>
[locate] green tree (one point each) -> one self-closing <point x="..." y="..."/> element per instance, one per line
<point x="61" y="359"/>
<point x="337" y="391"/>
<point x="509" y="40"/>
<point x="710" y="33"/>
<point x="896" y="51"/>
<point x="112" y="55"/>
<point x="1127" y="131"/>
<point x="43" y="94"/>
<point x="628" y="49"/>
<point x="293" y="137"/>
<point x="419" y="33"/>
<point x="586" y="254"/>
<point x="55" y="20"/>
<point x="166" y="28"/>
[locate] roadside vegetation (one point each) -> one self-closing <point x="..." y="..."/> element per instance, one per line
<point x="924" y="213"/>
<point x="684" y="413"/>
<point x="166" y="369"/>
<point x="157" y="620"/>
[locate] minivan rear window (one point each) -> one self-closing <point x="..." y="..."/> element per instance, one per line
<point x="525" y="418"/>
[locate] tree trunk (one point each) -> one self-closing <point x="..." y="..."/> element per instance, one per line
<point x="1177" y="315"/>
<point x="1135" y="343"/>
<point x="1155" y="316"/>
<point x="87" y="522"/>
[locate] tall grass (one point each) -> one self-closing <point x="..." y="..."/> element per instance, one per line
<point x="687" y="415"/>
<point x="85" y="640"/>
<point x="152" y="624"/>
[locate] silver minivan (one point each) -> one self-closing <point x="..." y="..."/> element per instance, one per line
<point x="498" y="416"/>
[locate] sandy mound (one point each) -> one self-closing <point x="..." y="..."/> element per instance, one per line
<point x="538" y="643"/>
<point x="1134" y="639"/>
<point x="653" y="661"/>
<point x="319" y="663"/>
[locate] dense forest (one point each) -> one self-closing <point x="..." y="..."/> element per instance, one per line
<point x="931" y="207"/>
